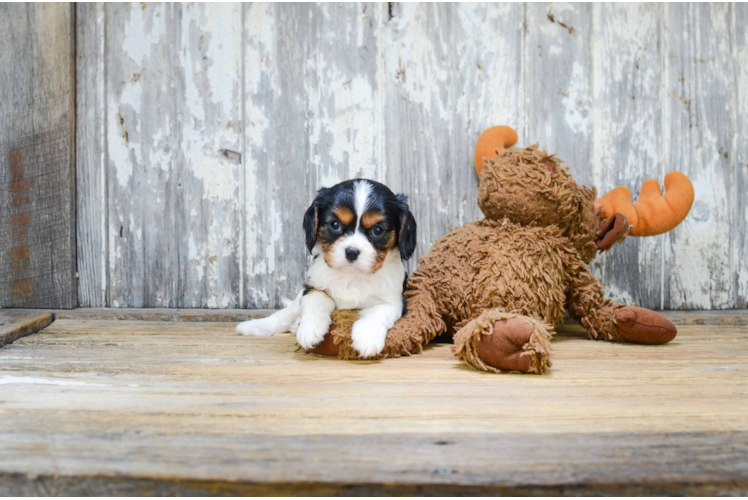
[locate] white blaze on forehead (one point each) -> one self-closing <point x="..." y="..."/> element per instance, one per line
<point x="362" y="190"/>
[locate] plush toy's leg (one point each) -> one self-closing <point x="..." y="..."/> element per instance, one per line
<point x="500" y="341"/>
<point x="338" y="340"/>
<point x="606" y="320"/>
<point x="420" y="324"/>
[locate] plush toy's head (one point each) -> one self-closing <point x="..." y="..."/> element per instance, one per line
<point x="529" y="186"/>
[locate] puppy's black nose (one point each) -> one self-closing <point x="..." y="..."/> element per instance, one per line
<point x="352" y="254"/>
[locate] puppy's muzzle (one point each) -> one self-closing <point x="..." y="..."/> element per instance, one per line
<point x="351" y="254"/>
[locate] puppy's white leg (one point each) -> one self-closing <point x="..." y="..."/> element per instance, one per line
<point x="278" y="322"/>
<point x="315" y="321"/>
<point x="370" y="330"/>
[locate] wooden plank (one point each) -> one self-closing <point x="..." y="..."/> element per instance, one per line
<point x="37" y="137"/>
<point x="17" y="323"/>
<point x="626" y="110"/>
<point x="733" y="317"/>
<point x="616" y="387"/>
<point x="699" y="120"/>
<point x="142" y="149"/>
<point x="15" y="486"/>
<point x="450" y="72"/>
<point x="703" y="464"/>
<point x="182" y="407"/>
<point x="209" y="127"/>
<point x="312" y="120"/>
<point x="194" y="145"/>
<point x="558" y="87"/>
<point x="740" y="158"/>
<point x="398" y="93"/>
<point x="91" y="152"/>
<point x="163" y="314"/>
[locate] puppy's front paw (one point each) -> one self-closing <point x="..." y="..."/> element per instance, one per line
<point x="312" y="330"/>
<point x="255" y="328"/>
<point x="368" y="338"/>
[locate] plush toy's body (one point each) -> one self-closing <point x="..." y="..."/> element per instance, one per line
<point x="502" y="283"/>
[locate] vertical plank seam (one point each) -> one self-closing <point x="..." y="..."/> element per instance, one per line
<point x="660" y="167"/>
<point x="74" y="155"/>
<point x="105" y="161"/>
<point x="243" y="146"/>
<point x="524" y="126"/>
<point x="592" y="61"/>
<point x="174" y="296"/>
<point x="664" y="152"/>
<point x="736" y="215"/>
<point x="380" y="100"/>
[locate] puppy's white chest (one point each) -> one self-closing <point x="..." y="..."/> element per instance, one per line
<point x="353" y="295"/>
<point x="358" y="291"/>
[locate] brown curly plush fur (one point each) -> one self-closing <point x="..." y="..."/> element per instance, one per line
<point x="527" y="259"/>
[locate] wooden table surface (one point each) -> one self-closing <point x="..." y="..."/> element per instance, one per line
<point x="162" y="407"/>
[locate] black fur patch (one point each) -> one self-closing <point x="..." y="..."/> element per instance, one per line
<point x="405" y="284"/>
<point x="320" y="220"/>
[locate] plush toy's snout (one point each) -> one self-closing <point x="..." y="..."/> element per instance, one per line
<point x="613" y="229"/>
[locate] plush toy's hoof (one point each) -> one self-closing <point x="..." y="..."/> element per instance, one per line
<point x="504" y="348"/>
<point x="642" y="326"/>
<point x="327" y="347"/>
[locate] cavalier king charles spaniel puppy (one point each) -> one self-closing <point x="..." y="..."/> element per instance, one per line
<point x="359" y="233"/>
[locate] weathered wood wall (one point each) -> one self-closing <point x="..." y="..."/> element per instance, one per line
<point x="37" y="147"/>
<point x="204" y="131"/>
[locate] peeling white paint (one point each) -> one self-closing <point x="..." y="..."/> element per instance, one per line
<point x="218" y="176"/>
<point x="417" y="62"/>
<point x="402" y="100"/>
<point x="574" y="99"/>
<point x="143" y="29"/>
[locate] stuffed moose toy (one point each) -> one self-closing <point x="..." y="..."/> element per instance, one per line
<point x="499" y="285"/>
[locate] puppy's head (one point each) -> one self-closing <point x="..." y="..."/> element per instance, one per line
<point x="357" y="223"/>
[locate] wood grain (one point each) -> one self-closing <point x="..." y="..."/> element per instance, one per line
<point x="451" y="73"/>
<point x="37" y="146"/>
<point x="626" y="112"/>
<point x="191" y="406"/>
<point x="734" y="317"/>
<point x="91" y="151"/>
<point x="558" y="83"/>
<point x="209" y="125"/>
<point x="17" y="323"/>
<point x="279" y="100"/>
<point x="142" y="154"/>
<point x="18" y="485"/>
<point x="163" y="314"/>
<point x="312" y="119"/>
<point x="740" y="157"/>
<point x="699" y="270"/>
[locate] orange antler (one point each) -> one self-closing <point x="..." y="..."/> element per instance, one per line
<point x="652" y="213"/>
<point x="492" y="140"/>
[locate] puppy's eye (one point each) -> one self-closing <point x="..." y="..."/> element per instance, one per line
<point x="377" y="230"/>
<point x="335" y="225"/>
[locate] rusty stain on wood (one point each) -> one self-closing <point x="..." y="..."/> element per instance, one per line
<point x="19" y="255"/>
<point x="37" y="127"/>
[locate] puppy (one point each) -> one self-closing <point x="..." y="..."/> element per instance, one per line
<point x="359" y="233"/>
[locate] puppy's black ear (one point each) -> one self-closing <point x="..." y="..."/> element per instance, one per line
<point x="407" y="235"/>
<point x="311" y="223"/>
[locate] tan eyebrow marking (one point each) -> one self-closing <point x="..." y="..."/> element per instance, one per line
<point x="344" y="215"/>
<point x="371" y="218"/>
